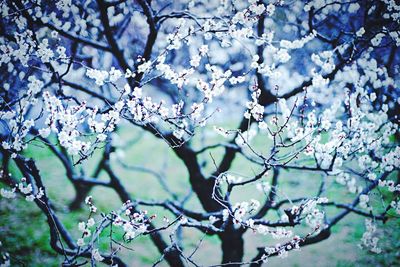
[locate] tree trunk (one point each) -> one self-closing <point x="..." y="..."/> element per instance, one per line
<point x="81" y="193"/>
<point x="232" y="246"/>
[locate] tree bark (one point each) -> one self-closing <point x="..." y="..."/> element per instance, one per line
<point x="232" y="246"/>
<point x="81" y="193"/>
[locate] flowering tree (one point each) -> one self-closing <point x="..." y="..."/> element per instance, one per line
<point x="302" y="88"/>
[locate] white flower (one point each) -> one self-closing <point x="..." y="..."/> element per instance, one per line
<point x="86" y="233"/>
<point x="44" y="53"/>
<point x="25" y="190"/>
<point x="90" y="222"/>
<point x="221" y="131"/>
<point x="40" y="193"/>
<point x="34" y="85"/>
<point x="5" y="145"/>
<point x="225" y="215"/>
<point x="144" y="67"/>
<point x="319" y="81"/>
<point x="196" y="110"/>
<point x="371" y="176"/>
<point x="101" y="137"/>
<point x="250" y="223"/>
<point x="258" y="9"/>
<point x="364" y="201"/>
<point x="203" y="50"/>
<point x="137" y="92"/>
<point x="141" y="229"/>
<point x="183" y="220"/>
<point x="115" y="74"/>
<point x="8" y="193"/>
<point x="30" y="198"/>
<point x="61" y="51"/>
<point x="360" y="32"/>
<point x="282" y="56"/>
<point x="82" y="226"/>
<point x="98" y="75"/>
<point x="262" y="229"/>
<point x="96" y="255"/>
<point x="178" y="133"/>
<point x="44" y="132"/>
<point x="195" y="62"/>
<point x="270" y="9"/>
<point x="80" y="242"/>
<point x="353" y="7"/>
<point x="127" y="89"/>
<point x="377" y="39"/>
<point x="88" y="200"/>
<point x="232" y="179"/>
<point x="372" y="97"/>
<point x="368" y="239"/>
<point x="325" y="124"/>
<point x="212" y="219"/>
<point x="129" y="74"/>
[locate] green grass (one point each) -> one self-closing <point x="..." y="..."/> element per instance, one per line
<point x="24" y="232"/>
